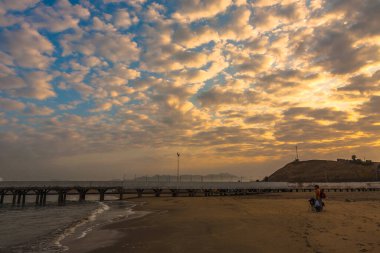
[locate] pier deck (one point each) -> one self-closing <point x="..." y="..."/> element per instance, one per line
<point x="20" y="189"/>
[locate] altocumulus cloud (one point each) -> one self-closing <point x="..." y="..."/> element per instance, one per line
<point x="233" y="85"/>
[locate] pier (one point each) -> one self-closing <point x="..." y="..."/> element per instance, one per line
<point x="18" y="190"/>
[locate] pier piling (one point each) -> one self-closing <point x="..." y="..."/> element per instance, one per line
<point x="82" y="194"/>
<point x="61" y="197"/>
<point x="174" y="192"/>
<point x="18" y="198"/>
<point x="139" y="192"/>
<point x="14" y="195"/>
<point x="120" y="190"/>
<point x="2" y="194"/>
<point x="157" y="192"/>
<point x="102" y="192"/>
<point x="43" y="202"/>
<point x="37" y="198"/>
<point x="23" y="198"/>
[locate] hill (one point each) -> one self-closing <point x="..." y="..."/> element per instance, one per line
<point x="326" y="171"/>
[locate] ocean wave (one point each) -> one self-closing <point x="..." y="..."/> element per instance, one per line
<point x="71" y="229"/>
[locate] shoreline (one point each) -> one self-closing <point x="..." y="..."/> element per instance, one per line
<point x="251" y="223"/>
<point x="89" y="239"/>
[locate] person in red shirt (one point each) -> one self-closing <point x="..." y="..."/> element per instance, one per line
<point x="318" y="204"/>
<point x="317" y="192"/>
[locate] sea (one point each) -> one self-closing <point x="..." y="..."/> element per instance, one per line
<point x="45" y="229"/>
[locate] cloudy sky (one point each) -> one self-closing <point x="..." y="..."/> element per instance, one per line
<point x="98" y="89"/>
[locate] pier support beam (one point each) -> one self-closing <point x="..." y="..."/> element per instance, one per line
<point x="191" y="192"/>
<point x="18" y="198"/>
<point x="14" y="195"/>
<point x="23" y="198"/>
<point x="102" y="192"/>
<point x="62" y="197"/>
<point x="82" y="194"/>
<point x="120" y="190"/>
<point x="223" y="192"/>
<point x="2" y="194"/>
<point x="157" y="192"/>
<point x="174" y="192"/>
<point x="139" y="192"/>
<point x="40" y="197"/>
<point x="37" y="198"/>
<point x="43" y="197"/>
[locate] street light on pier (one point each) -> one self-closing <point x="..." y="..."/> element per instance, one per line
<point x="178" y="154"/>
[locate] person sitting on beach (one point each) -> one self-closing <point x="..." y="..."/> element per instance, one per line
<point x="316" y="203"/>
<point x="317" y="192"/>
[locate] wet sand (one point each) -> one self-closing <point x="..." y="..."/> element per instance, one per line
<point x="262" y="223"/>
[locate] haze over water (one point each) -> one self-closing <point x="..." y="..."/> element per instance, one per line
<point x="94" y="90"/>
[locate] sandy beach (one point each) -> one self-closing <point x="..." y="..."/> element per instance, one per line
<point x="261" y="223"/>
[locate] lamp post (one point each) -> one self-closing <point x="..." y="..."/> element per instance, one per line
<point x="178" y="154"/>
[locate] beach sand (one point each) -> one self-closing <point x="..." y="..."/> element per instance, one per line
<point x="261" y="223"/>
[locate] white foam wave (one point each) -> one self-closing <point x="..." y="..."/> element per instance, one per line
<point x="103" y="207"/>
<point x="71" y="230"/>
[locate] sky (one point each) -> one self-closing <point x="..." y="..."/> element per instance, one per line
<point x="98" y="90"/>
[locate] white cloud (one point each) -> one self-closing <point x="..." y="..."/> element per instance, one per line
<point x="7" y="5"/>
<point x="118" y="75"/>
<point x="106" y="106"/>
<point x="136" y="4"/>
<point x="113" y="46"/>
<point x="190" y="38"/>
<point x="11" y="105"/>
<point x="92" y="61"/>
<point x="84" y="89"/>
<point x="37" y="86"/>
<point x="237" y="25"/>
<point x="31" y="85"/>
<point x="27" y="47"/>
<point x="99" y="25"/>
<point x="7" y="18"/>
<point x="123" y="19"/>
<point x="34" y="110"/>
<point x="192" y="10"/>
<point x="11" y="82"/>
<point x="154" y="13"/>
<point x="59" y="17"/>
